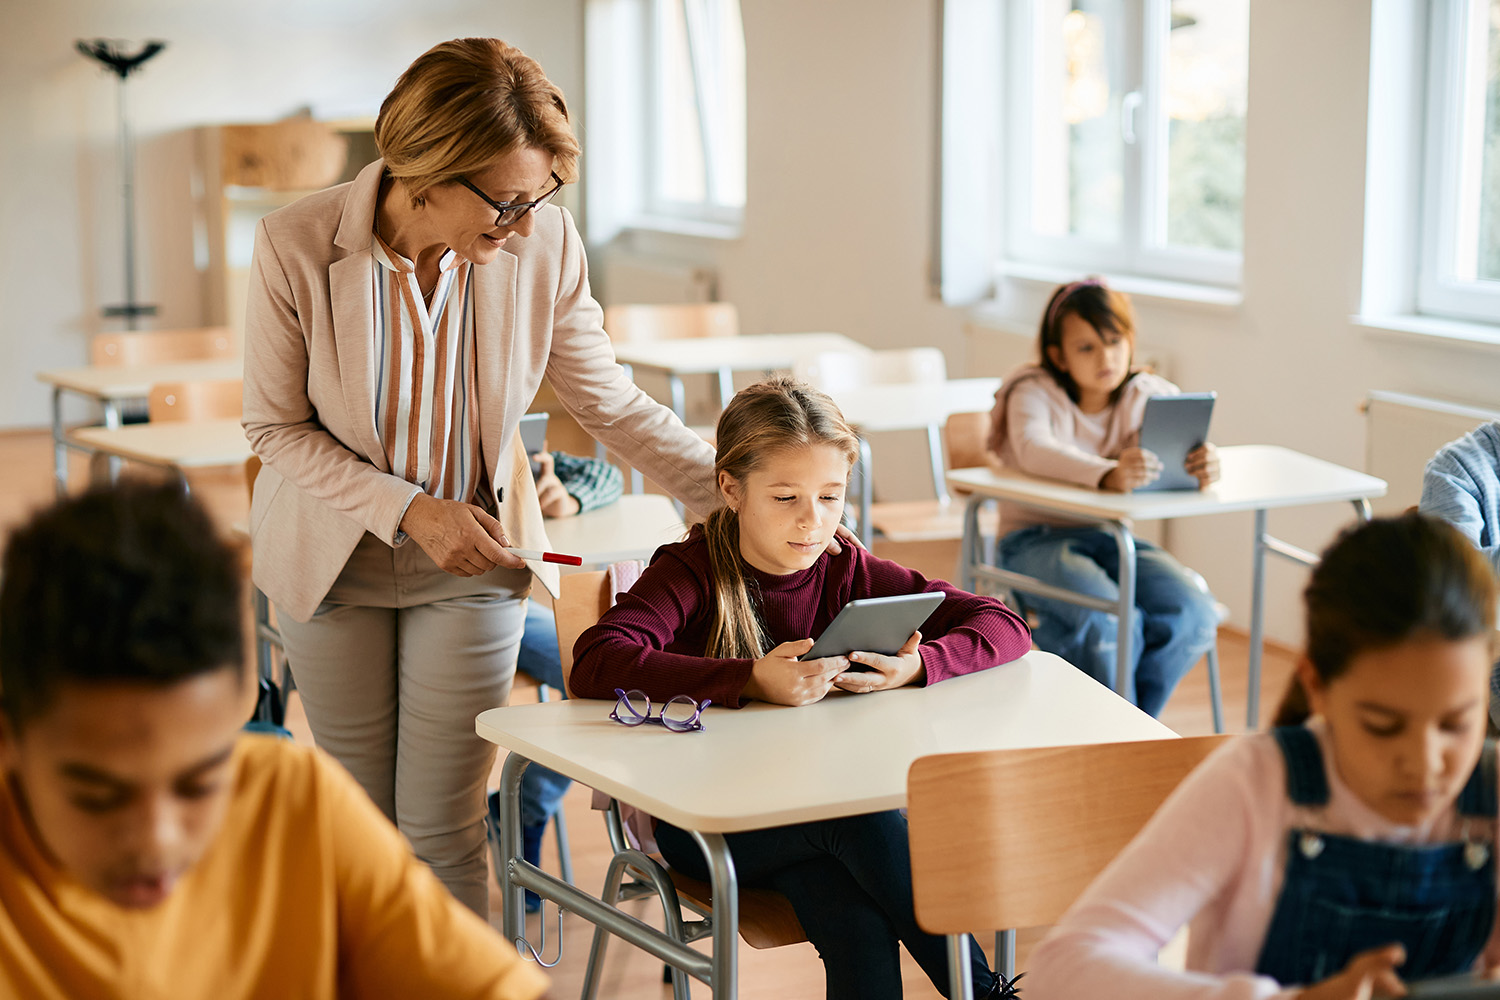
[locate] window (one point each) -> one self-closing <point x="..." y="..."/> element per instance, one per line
<point x="1126" y="125"/>
<point x="1459" y="272"/>
<point x="697" y="163"/>
<point x="665" y="136"/>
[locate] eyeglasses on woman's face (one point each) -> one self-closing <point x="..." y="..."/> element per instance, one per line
<point x="510" y="212"/>
<point x="680" y="715"/>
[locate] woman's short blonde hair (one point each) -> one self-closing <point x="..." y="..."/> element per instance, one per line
<point x="464" y="104"/>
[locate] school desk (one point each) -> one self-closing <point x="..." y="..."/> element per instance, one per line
<point x="723" y="356"/>
<point x="175" y="444"/>
<point x="632" y="527"/>
<point x="1252" y="477"/>
<point x="112" y="385"/>
<point x="766" y="765"/>
<point x="909" y="406"/>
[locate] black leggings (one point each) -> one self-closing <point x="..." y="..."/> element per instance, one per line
<point x="849" y="880"/>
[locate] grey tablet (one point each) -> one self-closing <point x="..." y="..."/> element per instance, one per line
<point x="534" y="437"/>
<point x="1466" y="987"/>
<point x="1172" y="427"/>
<point x="874" y="625"/>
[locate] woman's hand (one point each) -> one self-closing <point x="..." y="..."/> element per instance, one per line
<point x="556" y="501"/>
<point x="461" y="538"/>
<point x="844" y="535"/>
<point x="1136" y="467"/>
<point x="1369" y="975"/>
<point x="782" y="679"/>
<point x="886" y="672"/>
<point x="1203" y="464"/>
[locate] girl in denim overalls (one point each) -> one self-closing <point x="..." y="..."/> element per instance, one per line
<point x="1347" y="852"/>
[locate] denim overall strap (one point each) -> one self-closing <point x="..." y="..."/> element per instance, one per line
<point x="1343" y="895"/>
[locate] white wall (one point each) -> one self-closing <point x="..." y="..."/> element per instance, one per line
<point x="61" y="255"/>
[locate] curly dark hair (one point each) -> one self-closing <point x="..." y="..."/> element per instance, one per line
<point x="127" y="582"/>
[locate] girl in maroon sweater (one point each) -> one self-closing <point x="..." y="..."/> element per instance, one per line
<point x="724" y="616"/>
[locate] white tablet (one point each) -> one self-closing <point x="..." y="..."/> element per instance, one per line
<point x="1172" y="427"/>
<point x="1466" y="987"/>
<point x="874" y="625"/>
<point x="534" y="437"/>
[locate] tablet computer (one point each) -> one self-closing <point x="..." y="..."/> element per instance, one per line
<point x="534" y="437"/>
<point x="1465" y="987"/>
<point x="874" y="625"/>
<point x="1172" y="427"/>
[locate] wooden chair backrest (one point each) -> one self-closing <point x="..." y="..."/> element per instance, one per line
<point x="162" y="346"/>
<point x="1009" y="838"/>
<point x="634" y="324"/>
<point x="208" y="399"/>
<point x="582" y="599"/>
<point x="964" y="435"/>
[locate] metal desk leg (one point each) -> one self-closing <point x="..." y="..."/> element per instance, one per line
<point x="970" y="546"/>
<point x="59" y="449"/>
<point x="726" y="387"/>
<point x="1257" y="618"/>
<point x="935" y="456"/>
<point x="726" y="915"/>
<point x="866" y="489"/>
<point x="1124" y="665"/>
<point x="112" y="420"/>
<point x="679" y="396"/>
<point x="512" y="896"/>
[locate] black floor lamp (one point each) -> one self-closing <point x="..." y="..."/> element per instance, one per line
<point x="112" y="55"/>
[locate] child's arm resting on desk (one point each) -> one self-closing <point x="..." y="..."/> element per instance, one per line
<point x="627" y="648"/>
<point x="965" y="634"/>
<point x="400" y="932"/>
<point x="1191" y="855"/>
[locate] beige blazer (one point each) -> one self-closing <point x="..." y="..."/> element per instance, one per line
<point x="309" y="409"/>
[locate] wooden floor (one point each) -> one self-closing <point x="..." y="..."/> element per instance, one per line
<point x="630" y="974"/>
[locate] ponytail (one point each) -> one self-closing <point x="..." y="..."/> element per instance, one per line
<point x="1294" y="709"/>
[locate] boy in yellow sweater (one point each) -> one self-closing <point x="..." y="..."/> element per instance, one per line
<point x="148" y="849"/>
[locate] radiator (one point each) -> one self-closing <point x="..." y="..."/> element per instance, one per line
<point x="1403" y="432"/>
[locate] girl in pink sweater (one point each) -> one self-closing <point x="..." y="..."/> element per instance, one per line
<point x="1075" y="416"/>
<point x="1351" y="849"/>
<point x="725" y="615"/>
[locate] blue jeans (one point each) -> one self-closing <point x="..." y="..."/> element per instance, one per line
<point x="541" y="789"/>
<point x="1174" y="625"/>
<point x="849" y="881"/>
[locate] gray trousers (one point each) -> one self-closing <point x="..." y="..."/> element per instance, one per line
<point x="392" y="667"/>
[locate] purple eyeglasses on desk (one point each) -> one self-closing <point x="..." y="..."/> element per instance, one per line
<point x="679" y="715"/>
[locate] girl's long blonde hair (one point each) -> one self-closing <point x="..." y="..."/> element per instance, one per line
<point x="767" y="417"/>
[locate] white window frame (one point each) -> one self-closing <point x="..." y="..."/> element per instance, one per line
<point x="1138" y="252"/>
<point x="1458" y="36"/>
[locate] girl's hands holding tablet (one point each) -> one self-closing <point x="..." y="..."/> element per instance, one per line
<point x="782" y="679"/>
<point x="1135" y="467"/>
<point x="1203" y="464"/>
<point x="1369" y="975"/>
<point x="881" y="673"/>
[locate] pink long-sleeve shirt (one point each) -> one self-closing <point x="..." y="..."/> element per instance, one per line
<point x="654" y="637"/>
<point x="1213" y="858"/>
<point x="1038" y="430"/>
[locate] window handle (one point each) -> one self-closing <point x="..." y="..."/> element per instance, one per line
<point x="1129" y="105"/>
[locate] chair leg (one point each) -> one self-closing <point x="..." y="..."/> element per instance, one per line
<point x="1213" y="687"/>
<point x="1005" y="954"/>
<point x="959" y="986"/>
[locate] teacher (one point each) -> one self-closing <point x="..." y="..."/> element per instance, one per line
<point x="397" y="327"/>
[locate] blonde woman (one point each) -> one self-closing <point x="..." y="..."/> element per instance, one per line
<point x="397" y="328"/>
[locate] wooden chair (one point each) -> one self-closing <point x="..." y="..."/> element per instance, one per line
<point x="635" y="323"/>
<point x="208" y="399"/>
<point x="1009" y="838"/>
<point x="941" y="519"/>
<point x="163" y="346"/>
<point x="766" y="917"/>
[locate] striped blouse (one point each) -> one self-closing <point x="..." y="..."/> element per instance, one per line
<point x="425" y="399"/>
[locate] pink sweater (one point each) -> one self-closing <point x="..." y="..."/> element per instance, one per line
<point x="1034" y="428"/>
<point x="654" y="637"/>
<point x="1212" y="857"/>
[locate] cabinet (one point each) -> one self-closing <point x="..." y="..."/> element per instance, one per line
<point x="246" y="171"/>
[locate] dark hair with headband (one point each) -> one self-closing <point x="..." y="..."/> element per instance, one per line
<point x="1097" y="305"/>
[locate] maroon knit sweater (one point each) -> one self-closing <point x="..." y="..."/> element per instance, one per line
<point x="653" y="638"/>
